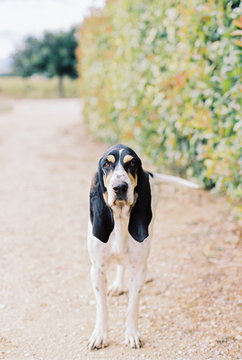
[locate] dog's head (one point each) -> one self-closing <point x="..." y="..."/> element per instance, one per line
<point x="120" y="180"/>
<point x="118" y="170"/>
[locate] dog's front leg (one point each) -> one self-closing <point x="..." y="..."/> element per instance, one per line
<point x="116" y="288"/>
<point x="132" y="335"/>
<point x="99" y="336"/>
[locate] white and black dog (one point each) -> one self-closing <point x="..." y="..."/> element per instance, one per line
<point x="121" y="207"/>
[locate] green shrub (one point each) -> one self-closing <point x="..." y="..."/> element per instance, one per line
<point x="163" y="76"/>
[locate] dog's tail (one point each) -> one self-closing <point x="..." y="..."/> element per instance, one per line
<point x="174" y="179"/>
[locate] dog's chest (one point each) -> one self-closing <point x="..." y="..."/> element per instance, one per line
<point x="118" y="242"/>
<point x="118" y="251"/>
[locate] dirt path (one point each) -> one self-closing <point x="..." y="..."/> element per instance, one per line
<point x="191" y="309"/>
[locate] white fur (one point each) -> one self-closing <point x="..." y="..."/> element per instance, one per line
<point x="175" y="179"/>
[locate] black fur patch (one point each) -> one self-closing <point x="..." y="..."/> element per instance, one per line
<point x="141" y="213"/>
<point x="101" y="215"/>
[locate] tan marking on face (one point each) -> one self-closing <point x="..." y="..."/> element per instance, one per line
<point x="127" y="158"/>
<point x="111" y="158"/>
<point x="106" y="179"/>
<point x="133" y="179"/>
<point x="105" y="196"/>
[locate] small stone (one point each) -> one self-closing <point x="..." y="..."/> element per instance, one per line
<point x="60" y="324"/>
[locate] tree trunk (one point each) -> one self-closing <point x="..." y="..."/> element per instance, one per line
<point x="60" y="87"/>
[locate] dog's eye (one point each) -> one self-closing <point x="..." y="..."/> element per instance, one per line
<point x="132" y="163"/>
<point x="106" y="164"/>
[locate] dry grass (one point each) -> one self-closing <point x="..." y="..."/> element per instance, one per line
<point x="36" y="87"/>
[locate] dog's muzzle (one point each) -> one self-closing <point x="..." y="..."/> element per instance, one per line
<point x="120" y="191"/>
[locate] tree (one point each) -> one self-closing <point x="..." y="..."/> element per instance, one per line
<point x="53" y="55"/>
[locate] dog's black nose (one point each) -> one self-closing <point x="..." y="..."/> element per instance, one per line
<point x="121" y="188"/>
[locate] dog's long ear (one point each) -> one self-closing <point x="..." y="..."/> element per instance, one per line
<point x="101" y="215"/>
<point x="141" y="213"/>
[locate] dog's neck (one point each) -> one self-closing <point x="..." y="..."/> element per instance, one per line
<point x="121" y="213"/>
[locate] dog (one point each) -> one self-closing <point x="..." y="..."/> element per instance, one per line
<point x="122" y="204"/>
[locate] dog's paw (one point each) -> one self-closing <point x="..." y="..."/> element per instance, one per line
<point x="115" y="289"/>
<point x="133" y="339"/>
<point x="98" y="340"/>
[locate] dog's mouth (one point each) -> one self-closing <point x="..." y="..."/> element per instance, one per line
<point x="120" y="202"/>
<point x="121" y="197"/>
<point x="124" y="201"/>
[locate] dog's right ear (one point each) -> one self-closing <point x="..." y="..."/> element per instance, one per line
<point x="101" y="215"/>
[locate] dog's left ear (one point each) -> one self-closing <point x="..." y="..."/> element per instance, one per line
<point x="141" y="213"/>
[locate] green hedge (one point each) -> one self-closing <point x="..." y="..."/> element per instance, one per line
<point x="163" y="76"/>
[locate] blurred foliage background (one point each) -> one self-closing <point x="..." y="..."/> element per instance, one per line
<point x="164" y="76"/>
